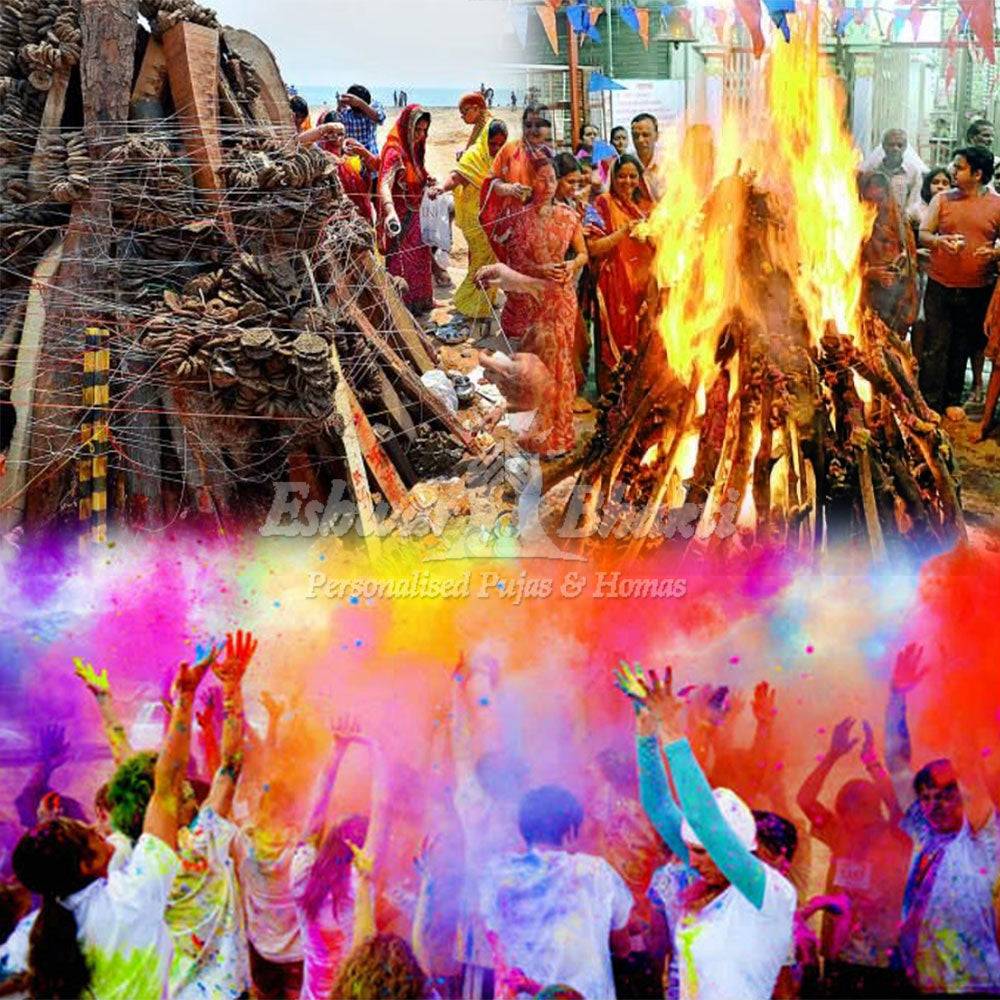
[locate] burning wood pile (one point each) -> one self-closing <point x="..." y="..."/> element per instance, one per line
<point x="764" y="406"/>
<point x="254" y="336"/>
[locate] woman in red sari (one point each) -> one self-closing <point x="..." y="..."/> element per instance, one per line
<point x="403" y="179"/>
<point x="540" y="236"/>
<point x="508" y="186"/>
<point x="624" y="263"/>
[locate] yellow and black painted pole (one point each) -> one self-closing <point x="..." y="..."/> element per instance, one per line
<point x="92" y="465"/>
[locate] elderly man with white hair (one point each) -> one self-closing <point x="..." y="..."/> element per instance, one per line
<point x="730" y="915"/>
<point x="901" y="164"/>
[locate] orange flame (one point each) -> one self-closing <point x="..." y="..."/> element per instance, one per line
<point x="793" y="142"/>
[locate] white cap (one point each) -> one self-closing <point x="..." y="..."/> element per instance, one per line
<point x="737" y="815"/>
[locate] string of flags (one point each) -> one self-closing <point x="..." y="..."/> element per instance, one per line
<point x="676" y="19"/>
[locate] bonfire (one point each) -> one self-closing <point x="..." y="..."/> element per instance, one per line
<point x="762" y="392"/>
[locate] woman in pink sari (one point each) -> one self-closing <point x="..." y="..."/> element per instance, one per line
<point x="540" y="236"/>
<point x="403" y="180"/>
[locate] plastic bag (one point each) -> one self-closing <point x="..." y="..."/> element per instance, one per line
<point x="435" y="222"/>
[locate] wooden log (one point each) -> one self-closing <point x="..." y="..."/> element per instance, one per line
<point x="22" y="394"/>
<point x="149" y="91"/>
<point x="342" y="398"/>
<point x="405" y="329"/>
<point x="407" y="376"/>
<point x="875" y="537"/>
<point x="192" y="53"/>
<point x="273" y="93"/>
<point x="375" y="457"/>
<point x="205" y="472"/>
<point x="107" y="61"/>
<point x="55" y="105"/>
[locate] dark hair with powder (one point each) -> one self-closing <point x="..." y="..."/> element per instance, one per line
<point x="383" y="966"/>
<point x="48" y="862"/>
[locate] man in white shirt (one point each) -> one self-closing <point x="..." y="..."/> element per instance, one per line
<point x="549" y="913"/>
<point x="902" y="165"/>
<point x="645" y="135"/>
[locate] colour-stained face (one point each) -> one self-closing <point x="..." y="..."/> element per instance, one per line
<point x="619" y="139"/>
<point x="544" y="184"/>
<point x="469" y="113"/>
<point x="567" y="185"/>
<point x="644" y="135"/>
<point x="941" y="801"/>
<point x="875" y="193"/>
<point x="100" y="854"/>
<point x="626" y="181"/>
<point x="496" y="142"/>
<point x="706" y="868"/>
<point x="940" y="182"/>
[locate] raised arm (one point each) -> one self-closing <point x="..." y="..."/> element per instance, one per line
<point x="208" y="734"/>
<point x="345" y="730"/>
<point x="420" y="932"/>
<point x="53" y="752"/>
<point x="697" y="802"/>
<point x="368" y="858"/>
<point x="906" y="674"/>
<point x="239" y="653"/>
<point x="880" y="776"/>
<point x="462" y="753"/>
<point x="100" y="687"/>
<point x="161" y="813"/>
<point x="841" y="744"/>
<point x="654" y="789"/>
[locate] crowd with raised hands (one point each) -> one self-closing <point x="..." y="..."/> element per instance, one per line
<point x="683" y="870"/>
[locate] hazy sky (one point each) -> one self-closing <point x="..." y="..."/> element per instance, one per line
<point x="444" y="43"/>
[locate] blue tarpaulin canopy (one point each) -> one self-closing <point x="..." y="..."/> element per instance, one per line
<point x="598" y="81"/>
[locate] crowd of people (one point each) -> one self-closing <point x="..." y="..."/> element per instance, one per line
<point x="562" y="233"/>
<point x="681" y="870"/>
<point x="930" y="264"/>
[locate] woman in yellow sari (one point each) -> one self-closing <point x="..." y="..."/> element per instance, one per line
<point x="466" y="180"/>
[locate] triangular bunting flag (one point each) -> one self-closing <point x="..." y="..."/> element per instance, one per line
<point x="630" y="17"/>
<point x="779" y="11"/>
<point x="554" y="3"/>
<point x="519" y="18"/>
<point x="547" y="15"/>
<point x="643" y="17"/>
<point x="578" y="17"/>
<point x="916" y="18"/>
<point x="749" y="10"/>
<point x="717" y="19"/>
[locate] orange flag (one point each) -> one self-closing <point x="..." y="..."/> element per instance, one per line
<point x="554" y="3"/>
<point x="643" y="16"/>
<point x="595" y="13"/>
<point x="547" y="16"/>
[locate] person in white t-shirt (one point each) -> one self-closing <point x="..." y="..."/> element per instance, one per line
<point x="734" y="915"/>
<point x="553" y="916"/>
<point x="332" y="874"/>
<point x="264" y="851"/>
<point x="99" y="934"/>
<point x="205" y="911"/>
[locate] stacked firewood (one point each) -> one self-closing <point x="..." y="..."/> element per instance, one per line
<point x="800" y="444"/>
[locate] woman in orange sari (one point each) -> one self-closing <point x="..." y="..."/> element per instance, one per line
<point x="540" y="236"/>
<point x="403" y="180"/>
<point x="509" y="184"/>
<point x="624" y="263"/>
